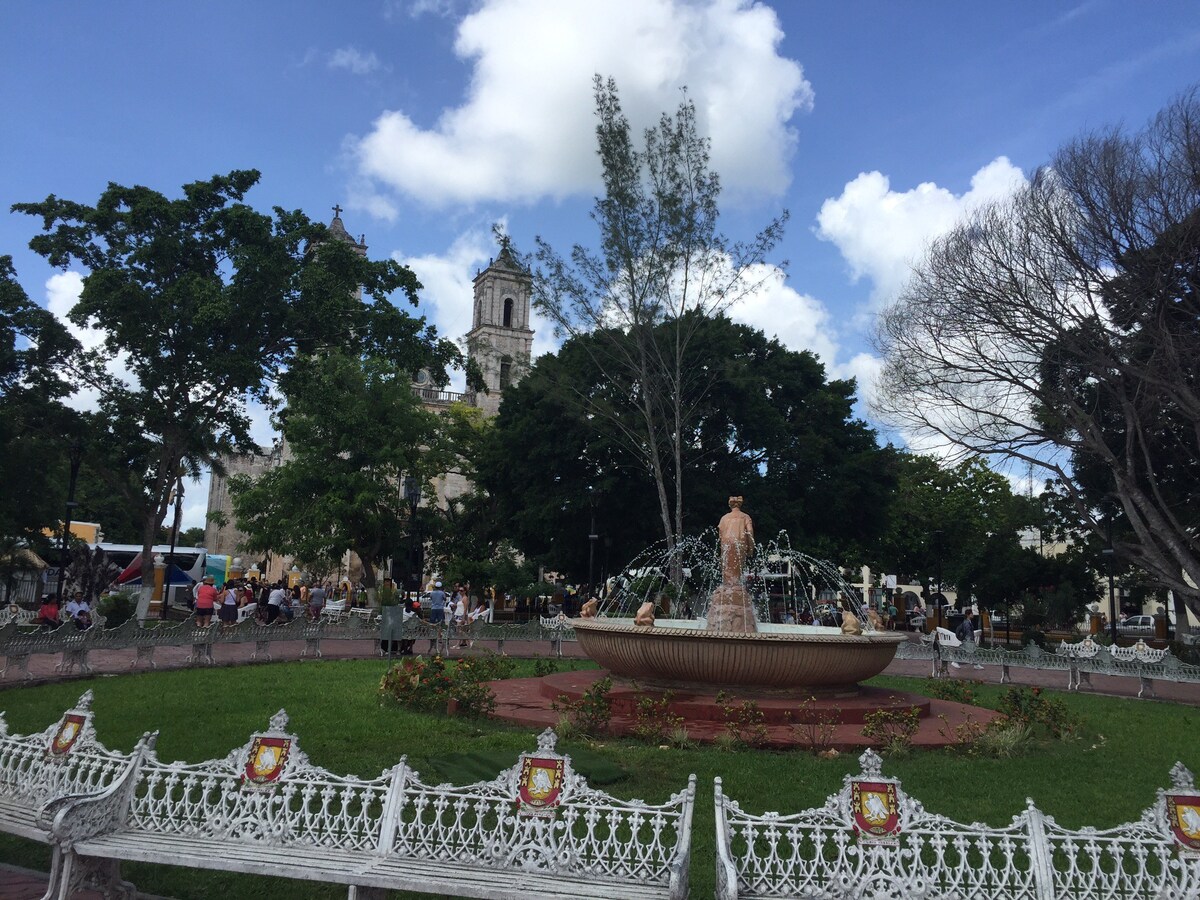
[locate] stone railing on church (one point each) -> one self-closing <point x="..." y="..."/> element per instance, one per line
<point x="440" y="397"/>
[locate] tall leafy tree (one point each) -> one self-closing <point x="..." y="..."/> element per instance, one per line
<point x="662" y="266"/>
<point x="355" y="430"/>
<point x="771" y="428"/>
<point x="35" y="427"/>
<point x="203" y="301"/>
<point x="1059" y="328"/>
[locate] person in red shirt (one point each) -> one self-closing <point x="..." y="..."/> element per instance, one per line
<point x="48" y="613"/>
<point x="206" y="599"/>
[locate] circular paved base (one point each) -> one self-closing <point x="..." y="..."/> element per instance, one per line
<point x="797" y="721"/>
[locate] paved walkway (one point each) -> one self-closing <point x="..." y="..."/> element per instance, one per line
<point x="24" y="884"/>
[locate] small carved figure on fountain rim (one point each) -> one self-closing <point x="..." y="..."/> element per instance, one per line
<point x="645" y="615"/>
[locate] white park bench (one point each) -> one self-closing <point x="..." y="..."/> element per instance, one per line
<point x="64" y="760"/>
<point x="538" y="830"/>
<point x="944" y="637"/>
<point x="872" y="841"/>
<point x="1088" y="656"/>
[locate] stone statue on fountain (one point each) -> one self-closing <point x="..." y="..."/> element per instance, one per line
<point x="730" y="608"/>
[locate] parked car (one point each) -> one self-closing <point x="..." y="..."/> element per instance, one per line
<point x="1137" y="625"/>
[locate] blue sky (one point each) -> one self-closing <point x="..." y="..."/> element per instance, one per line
<point x="874" y="123"/>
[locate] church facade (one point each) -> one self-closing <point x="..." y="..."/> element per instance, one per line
<point x="500" y="343"/>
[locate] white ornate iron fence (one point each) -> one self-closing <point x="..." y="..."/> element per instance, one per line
<point x="871" y="841"/>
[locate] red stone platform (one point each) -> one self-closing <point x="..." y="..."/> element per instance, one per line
<point x="795" y="721"/>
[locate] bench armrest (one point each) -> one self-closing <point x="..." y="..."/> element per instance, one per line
<point x="681" y="863"/>
<point x="727" y="885"/>
<point x="77" y="817"/>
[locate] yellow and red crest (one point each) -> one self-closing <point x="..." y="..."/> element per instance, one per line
<point x="875" y="811"/>
<point x="68" y="733"/>
<point x="268" y="756"/>
<point x="540" y="785"/>
<point x="1183" y="818"/>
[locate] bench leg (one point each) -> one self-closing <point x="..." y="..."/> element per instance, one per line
<point x="1084" y="678"/>
<point x="1005" y="676"/>
<point x="18" y="662"/>
<point x="144" y="655"/>
<point x="312" y="647"/>
<point x="80" y="873"/>
<point x="366" y="893"/>
<point x="262" y="649"/>
<point x="201" y="653"/>
<point x="1147" y="686"/>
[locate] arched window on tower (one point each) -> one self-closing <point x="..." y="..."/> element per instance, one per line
<point x="505" y="371"/>
<point x="508" y="311"/>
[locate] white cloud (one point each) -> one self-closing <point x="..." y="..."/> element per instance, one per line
<point x="354" y="60"/>
<point x="62" y="293"/>
<point x="525" y="130"/>
<point x="881" y="232"/>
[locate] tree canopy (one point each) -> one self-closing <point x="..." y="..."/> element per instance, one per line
<point x="771" y="427"/>
<point x="202" y="301"/>
<point x="662" y="268"/>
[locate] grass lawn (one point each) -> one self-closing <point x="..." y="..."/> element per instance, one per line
<point x="1105" y="777"/>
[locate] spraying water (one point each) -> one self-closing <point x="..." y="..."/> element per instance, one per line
<point x="782" y="582"/>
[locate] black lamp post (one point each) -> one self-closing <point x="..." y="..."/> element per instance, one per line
<point x="166" y="597"/>
<point x="75" y="453"/>
<point x="592" y="538"/>
<point x="937" y="558"/>
<point x="1109" y="553"/>
<point x="412" y="493"/>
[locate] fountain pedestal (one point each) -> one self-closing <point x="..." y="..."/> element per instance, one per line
<point x="731" y="609"/>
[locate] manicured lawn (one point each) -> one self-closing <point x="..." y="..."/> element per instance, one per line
<point x="1105" y="777"/>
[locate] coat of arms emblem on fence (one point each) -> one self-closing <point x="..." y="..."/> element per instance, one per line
<point x="875" y="811"/>
<point x="1183" y="817"/>
<point x="66" y="736"/>
<point x="539" y="787"/>
<point x="268" y="756"/>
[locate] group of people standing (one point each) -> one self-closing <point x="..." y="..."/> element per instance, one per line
<point x="273" y="600"/>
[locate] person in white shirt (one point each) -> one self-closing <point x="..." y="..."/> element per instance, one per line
<point x="274" y="602"/>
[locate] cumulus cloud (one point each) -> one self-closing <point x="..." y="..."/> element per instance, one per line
<point x="354" y="61"/>
<point x="881" y="232"/>
<point x="62" y="293"/>
<point x="525" y="130"/>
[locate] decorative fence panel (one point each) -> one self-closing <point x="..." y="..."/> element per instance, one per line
<point x="871" y="841"/>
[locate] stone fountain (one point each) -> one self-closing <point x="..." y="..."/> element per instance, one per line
<point x="730" y="649"/>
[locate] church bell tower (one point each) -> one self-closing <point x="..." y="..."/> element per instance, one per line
<point x="500" y="340"/>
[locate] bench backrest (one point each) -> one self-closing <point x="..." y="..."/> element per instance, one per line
<point x="64" y="759"/>
<point x="584" y="832"/>
<point x="871" y="833"/>
<point x="266" y="790"/>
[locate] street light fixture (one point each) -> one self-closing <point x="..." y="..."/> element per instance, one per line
<point x="75" y="454"/>
<point x="936" y="537"/>
<point x="412" y="493"/>
<point x="1109" y="556"/>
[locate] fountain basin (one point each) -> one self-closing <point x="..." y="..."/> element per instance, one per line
<point x="677" y="653"/>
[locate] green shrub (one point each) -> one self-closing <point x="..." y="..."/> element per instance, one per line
<point x="1031" y="709"/>
<point x="894" y="729"/>
<point x="951" y="689"/>
<point x="652" y="719"/>
<point x="430" y="685"/>
<point x="117" y="609"/>
<point x="744" y="721"/>
<point x="1003" y="739"/>
<point x="591" y="713"/>
<point x="387" y="596"/>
